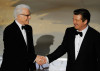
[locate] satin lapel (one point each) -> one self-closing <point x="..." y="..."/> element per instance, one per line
<point x="72" y="45"/>
<point x="28" y="36"/>
<point x="19" y="33"/>
<point x="84" y="43"/>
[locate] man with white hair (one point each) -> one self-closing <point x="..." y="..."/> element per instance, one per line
<point x="19" y="54"/>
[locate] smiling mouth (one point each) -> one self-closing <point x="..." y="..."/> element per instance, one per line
<point x="75" y="25"/>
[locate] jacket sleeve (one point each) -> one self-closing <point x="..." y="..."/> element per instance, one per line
<point x="61" y="50"/>
<point x="97" y="45"/>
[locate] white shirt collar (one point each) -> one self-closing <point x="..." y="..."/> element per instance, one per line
<point x="20" y="25"/>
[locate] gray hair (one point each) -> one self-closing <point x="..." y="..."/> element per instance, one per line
<point x="18" y="9"/>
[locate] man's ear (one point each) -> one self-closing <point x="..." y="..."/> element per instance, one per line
<point x="85" y="22"/>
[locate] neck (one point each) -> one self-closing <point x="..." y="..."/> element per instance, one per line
<point x="20" y="22"/>
<point x="82" y="28"/>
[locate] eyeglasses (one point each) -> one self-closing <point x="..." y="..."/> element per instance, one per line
<point x="25" y="15"/>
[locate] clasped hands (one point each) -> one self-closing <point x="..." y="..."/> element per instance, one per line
<point x="41" y="60"/>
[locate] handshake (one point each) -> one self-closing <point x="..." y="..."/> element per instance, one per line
<point x="41" y="60"/>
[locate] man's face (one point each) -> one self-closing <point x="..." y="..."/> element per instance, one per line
<point x="24" y="17"/>
<point x="78" y="23"/>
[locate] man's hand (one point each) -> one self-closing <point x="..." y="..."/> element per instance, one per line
<point x="40" y="60"/>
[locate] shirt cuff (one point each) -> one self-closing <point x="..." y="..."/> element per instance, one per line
<point x="47" y="59"/>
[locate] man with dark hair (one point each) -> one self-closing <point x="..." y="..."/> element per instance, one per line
<point x="84" y="13"/>
<point x="82" y="43"/>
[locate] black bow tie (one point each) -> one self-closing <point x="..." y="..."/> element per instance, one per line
<point x="23" y="27"/>
<point x="80" y="33"/>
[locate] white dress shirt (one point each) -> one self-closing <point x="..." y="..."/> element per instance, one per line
<point x="78" y="41"/>
<point x="22" y="30"/>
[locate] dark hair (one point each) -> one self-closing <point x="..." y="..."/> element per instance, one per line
<point x="84" y="13"/>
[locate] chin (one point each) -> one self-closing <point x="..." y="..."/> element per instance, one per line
<point x="75" y="27"/>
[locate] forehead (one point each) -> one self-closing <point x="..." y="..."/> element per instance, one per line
<point x="78" y="17"/>
<point x="25" y="10"/>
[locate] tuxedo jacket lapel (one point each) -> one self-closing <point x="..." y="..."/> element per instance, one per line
<point x="19" y="33"/>
<point x="28" y="36"/>
<point x="72" y="45"/>
<point x="84" y="44"/>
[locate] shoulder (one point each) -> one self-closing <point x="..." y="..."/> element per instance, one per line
<point x="94" y="33"/>
<point x="9" y="27"/>
<point x="70" y="29"/>
<point x="92" y="30"/>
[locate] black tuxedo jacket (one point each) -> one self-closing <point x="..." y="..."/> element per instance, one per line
<point x="88" y="58"/>
<point x="17" y="55"/>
